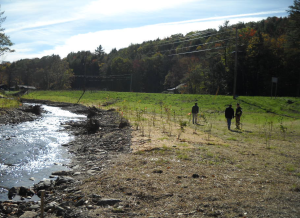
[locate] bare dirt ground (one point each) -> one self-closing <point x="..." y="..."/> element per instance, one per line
<point x="217" y="173"/>
<point x="161" y="171"/>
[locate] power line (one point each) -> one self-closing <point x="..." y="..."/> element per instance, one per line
<point x="207" y="43"/>
<point x="209" y="49"/>
<point x="196" y="34"/>
<point x="104" y="77"/>
<point x="167" y="43"/>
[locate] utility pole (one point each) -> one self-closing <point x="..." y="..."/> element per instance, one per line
<point x="86" y="53"/>
<point x="131" y="82"/>
<point x="235" y="64"/>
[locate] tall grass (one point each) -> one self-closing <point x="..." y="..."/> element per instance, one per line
<point x="9" y="103"/>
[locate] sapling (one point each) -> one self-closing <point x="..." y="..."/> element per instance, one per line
<point x="182" y="124"/>
<point x="209" y="125"/>
<point x="283" y="128"/>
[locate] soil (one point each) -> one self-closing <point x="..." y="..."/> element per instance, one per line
<point x="121" y="171"/>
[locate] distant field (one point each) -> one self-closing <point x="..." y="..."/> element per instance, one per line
<point x="254" y="107"/>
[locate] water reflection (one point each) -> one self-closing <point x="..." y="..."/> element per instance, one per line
<point x="31" y="149"/>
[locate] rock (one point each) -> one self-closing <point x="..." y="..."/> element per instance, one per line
<point x="107" y="201"/>
<point x="90" y="207"/>
<point x="12" y="192"/>
<point x="60" y="211"/>
<point x="34" y="207"/>
<point x="195" y="176"/>
<point x="76" y="173"/>
<point x="96" y="196"/>
<point x="80" y="202"/>
<point x="51" y="205"/>
<point x="32" y="178"/>
<point x="91" y="172"/>
<point x="75" y="167"/>
<point x="64" y="179"/>
<point x="157" y="171"/>
<point x="6" y="209"/>
<point x="36" y="109"/>
<point x="96" y="168"/>
<point x="62" y="173"/>
<point x="44" y="184"/>
<point x="29" y="214"/>
<point x="25" y="191"/>
<point x="123" y="123"/>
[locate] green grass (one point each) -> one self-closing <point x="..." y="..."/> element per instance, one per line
<point x="232" y="138"/>
<point x="9" y="103"/>
<point x="181" y="104"/>
<point x="259" y="112"/>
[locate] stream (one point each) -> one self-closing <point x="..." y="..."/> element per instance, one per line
<point x="33" y="149"/>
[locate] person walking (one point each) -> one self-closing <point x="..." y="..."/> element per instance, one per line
<point x="195" y="111"/>
<point x="238" y="114"/>
<point x="229" y="114"/>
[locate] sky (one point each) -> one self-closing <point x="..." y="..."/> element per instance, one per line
<point x="40" y="28"/>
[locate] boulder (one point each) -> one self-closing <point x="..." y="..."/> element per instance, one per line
<point x="64" y="179"/>
<point x="12" y="192"/>
<point x="29" y="214"/>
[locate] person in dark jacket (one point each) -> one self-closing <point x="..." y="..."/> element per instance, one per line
<point x="195" y="111"/>
<point x="229" y="114"/>
<point x="238" y="114"/>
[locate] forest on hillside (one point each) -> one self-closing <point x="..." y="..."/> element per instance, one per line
<point x="204" y="61"/>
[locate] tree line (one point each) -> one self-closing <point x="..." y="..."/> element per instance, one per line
<point x="203" y="61"/>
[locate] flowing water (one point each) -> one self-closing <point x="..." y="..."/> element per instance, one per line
<point x="33" y="149"/>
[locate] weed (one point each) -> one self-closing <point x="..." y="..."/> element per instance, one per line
<point x="183" y="156"/>
<point x="290" y="168"/>
<point x="232" y="138"/>
<point x="209" y="155"/>
<point x="183" y="145"/>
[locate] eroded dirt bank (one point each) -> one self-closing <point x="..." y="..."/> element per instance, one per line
<point x="99" y="139"/>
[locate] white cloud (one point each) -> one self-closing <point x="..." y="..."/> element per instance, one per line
<point x="40" y="28"/>
<point x="117" y="7"/>
<point x="121" y="38"/>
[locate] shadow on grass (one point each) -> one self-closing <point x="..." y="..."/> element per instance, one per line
<point x="198" y="124"/>
<point x="238" y="131"/>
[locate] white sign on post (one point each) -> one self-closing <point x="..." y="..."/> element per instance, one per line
<point x="274" y="79"/>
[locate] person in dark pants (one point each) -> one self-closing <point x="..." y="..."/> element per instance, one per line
<point x="229" y="114"/>
<point x="195" y="111"/>
<point x="238" y="114"/>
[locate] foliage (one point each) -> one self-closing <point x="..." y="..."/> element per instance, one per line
<point x="49" y="72"/>
<point x="5" y="42"/>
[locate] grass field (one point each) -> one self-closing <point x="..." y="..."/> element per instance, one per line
<point x="248" y="172"/>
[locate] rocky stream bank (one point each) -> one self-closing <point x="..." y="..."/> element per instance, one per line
<point x="99" y="139"/>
